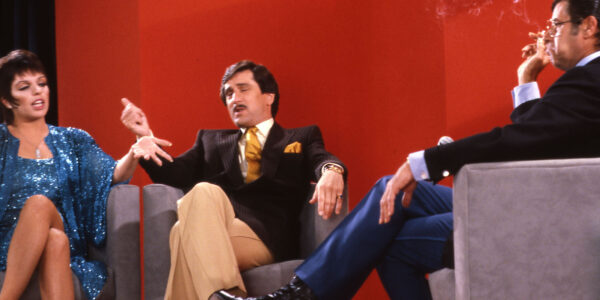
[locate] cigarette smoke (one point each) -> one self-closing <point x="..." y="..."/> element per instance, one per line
<point x="450" y="8"/>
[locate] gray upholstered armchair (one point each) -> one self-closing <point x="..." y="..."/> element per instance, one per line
<point x="121" y="253"/>
<point x="525" y="230"/>
<point x="160" y="214"/>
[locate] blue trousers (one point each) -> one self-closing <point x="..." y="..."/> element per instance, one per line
<point x="402" y="251"/>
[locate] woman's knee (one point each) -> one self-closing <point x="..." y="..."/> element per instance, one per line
<point x="39" y="203"/>
<point x="42" y="208"/>
<point x="57" y="243"/>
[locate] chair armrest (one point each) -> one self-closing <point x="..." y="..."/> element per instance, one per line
<point x="313" y="229"/>
<point x="160" y="213"/>
<point x="123" y="240"/>
<point x="528" y="230"/>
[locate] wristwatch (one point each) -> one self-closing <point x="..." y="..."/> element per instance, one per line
<point x="332" y="167"/>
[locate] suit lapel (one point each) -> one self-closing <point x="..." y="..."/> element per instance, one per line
<point x="273" y="150"/>
<point x="227" y="145"/>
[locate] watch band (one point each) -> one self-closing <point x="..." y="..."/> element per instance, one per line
<point x="332" y="167"/>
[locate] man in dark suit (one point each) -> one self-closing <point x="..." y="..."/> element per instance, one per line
<point x="406" y="244"/>
<point x="245" y="187"/>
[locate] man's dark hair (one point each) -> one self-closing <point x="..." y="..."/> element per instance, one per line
<point x="262" y="76"/>
<point x="15" y="63"/>
<point x="581" y="9"/>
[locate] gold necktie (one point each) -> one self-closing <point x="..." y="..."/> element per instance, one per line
<point x="252" y="155"/>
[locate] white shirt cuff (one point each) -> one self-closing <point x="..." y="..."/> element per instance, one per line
<point x="525" y="92"/>
<point x="418" y="167"/>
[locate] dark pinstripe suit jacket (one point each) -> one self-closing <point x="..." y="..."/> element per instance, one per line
<point x="564" y="123"/>
<point x="271" y="204"/>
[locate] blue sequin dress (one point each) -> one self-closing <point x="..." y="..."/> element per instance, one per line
<point x="77" y="179"/>
<point x="32" y="177"/>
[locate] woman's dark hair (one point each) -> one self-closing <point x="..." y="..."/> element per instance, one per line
<point x="15" y="63"/>
<point x="262" y="76"/>
<point x="581" y="9"/>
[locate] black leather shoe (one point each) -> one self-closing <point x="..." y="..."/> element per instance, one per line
<point x="223" y="295"/>
<point x="295" y="290"/>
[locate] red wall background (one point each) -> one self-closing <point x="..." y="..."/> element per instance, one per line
<point x="381" y="78"/>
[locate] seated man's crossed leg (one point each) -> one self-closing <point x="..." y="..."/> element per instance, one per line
<point x="210" y="247"/>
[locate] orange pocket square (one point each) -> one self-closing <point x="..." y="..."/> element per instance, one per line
<point x="294" y="147"/>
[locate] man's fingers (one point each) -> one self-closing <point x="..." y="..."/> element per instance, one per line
<point x="131" y="112"/>
<point x="528" y="50"/>
<point x="314" y="198"/>
<point x="141" y="116"/>
<point x="408" y="193"/>
<point x="125" y="115"/>
<point x="406" y="198"/>
<point x="383" y="207"/>
<point x="156" y="159"/>
<point x="125" y="102"/>
<point x="339" y="203"/>
<point x="317" y="197"/>
<point x="328" y="205"/>
<point x="390" y="209"/>
<point x="528" y="47"/>
<point x="164" y="154"/>
<point x="536" y="35"/>
<point x="383" y="211"/>
<point x="162" y="142"/>
<point x="138" y="153"/>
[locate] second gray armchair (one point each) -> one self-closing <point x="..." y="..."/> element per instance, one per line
<point x="525" y="230"/>
<point x="160" y="215"/>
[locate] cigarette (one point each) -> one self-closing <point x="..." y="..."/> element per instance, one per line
<point x="537" y="36"/>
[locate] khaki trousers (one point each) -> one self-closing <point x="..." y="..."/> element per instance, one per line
<point x="209" y="246"/>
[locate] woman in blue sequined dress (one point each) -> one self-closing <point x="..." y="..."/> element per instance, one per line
<point x="54" y="182"/>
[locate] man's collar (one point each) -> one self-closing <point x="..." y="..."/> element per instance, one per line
<point x="588" y="58"/>
<point x="263" y="127"/>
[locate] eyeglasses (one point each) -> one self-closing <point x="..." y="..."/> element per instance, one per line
<point x="552" y="26"/>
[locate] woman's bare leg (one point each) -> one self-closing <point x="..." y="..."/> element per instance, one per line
<point x="29" y="241"/>
<point x="54" y="270"/>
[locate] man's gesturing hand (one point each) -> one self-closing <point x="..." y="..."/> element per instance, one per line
<point x="404" y="181"/>
<point x="328" y="193"/>
<point x="134" y="119"/>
